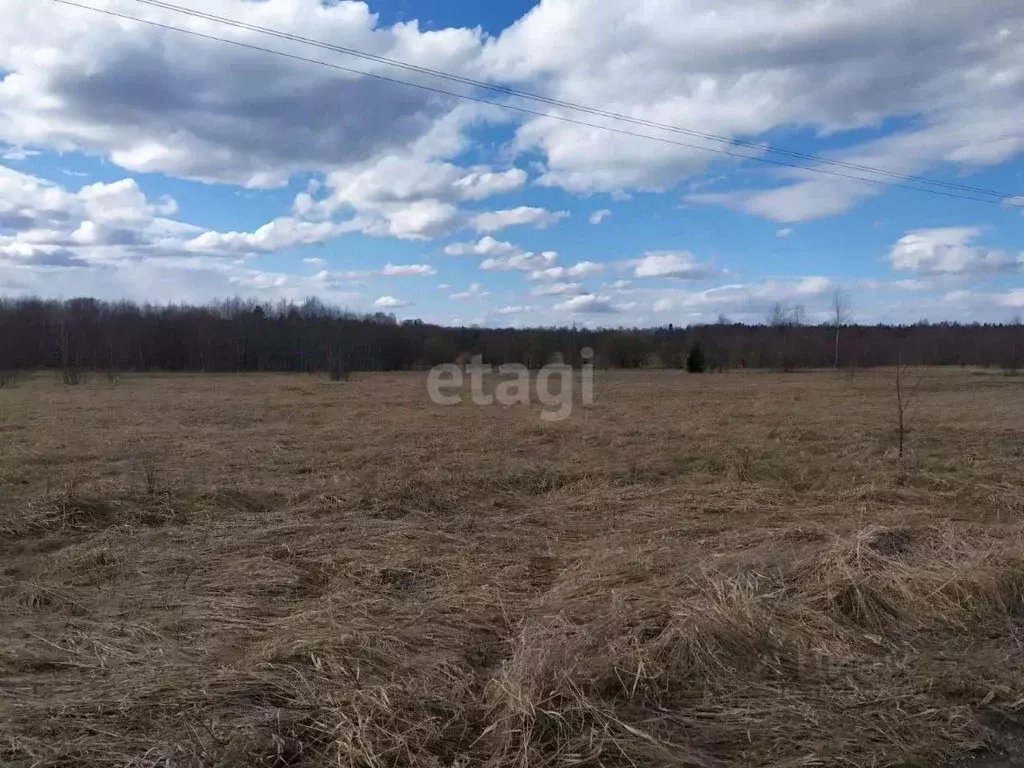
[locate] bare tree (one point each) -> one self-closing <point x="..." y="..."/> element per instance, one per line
<point x="904" y="397"/>
<point x="842" y="312"/>
<point x="785" y="316"/>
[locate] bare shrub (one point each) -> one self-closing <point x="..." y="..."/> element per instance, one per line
<point x="72" y="376"/>
<point x="150" y="475"/>
<point x="339" y="372"/>
<point x="904" y="398"/>
<point x="9" y="379"/>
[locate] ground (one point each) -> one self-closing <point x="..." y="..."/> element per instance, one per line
<point x="695" y="570"/>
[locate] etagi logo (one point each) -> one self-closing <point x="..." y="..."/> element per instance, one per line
<point x="558" y="401"/>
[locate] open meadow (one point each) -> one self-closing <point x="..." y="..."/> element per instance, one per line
<point x="696" y="570"/>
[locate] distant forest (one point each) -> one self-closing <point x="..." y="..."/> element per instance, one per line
<point x="238" y="335"/>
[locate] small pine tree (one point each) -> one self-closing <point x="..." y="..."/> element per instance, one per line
<point x="695" y="362"/>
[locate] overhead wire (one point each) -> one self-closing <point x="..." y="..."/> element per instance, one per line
<point x="973" y="195"/>
<point x="505" y="90"/>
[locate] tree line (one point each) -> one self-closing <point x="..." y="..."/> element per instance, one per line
<point x="238" y="335"/>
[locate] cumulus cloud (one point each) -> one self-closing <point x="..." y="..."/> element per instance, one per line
<point x="390" y="302"/>
<point x="677" y="264"/>
<point x="588" y="304"/>
<point x="276" y="235"/>
<point x="98" y="94"/>
<point x="949" y="250"/>
<point x="762" y="64"/>
<point x="582" y="269"/>
<point x="408" y="196"/>
<point x="527" y="262"/>
<point x="539" y="218"/>
<point x="485" y="246"/>
<point x="556" y="289"/>
<point x="389" y="163"/>
<point x="110" y="240"/>
<point x="474" y="291"/>
<point x="398" y="270"/>
<point x="784" y="232"/>
<point x="98" y="224"/>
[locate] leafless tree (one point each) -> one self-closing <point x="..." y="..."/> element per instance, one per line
<point x="842" y="313"/>
<point x="904" y="397"/>
<point x="785" y="316"/>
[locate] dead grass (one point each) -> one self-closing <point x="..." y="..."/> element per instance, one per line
<point x="694" y="571"/>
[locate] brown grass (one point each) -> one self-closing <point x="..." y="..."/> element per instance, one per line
<point x="729" y="569"/>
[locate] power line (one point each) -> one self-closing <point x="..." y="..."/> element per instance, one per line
<point x="534" y="113"/>
<point x="571" y="105"/>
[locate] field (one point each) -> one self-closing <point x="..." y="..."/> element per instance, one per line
<point x="723" y="569"/>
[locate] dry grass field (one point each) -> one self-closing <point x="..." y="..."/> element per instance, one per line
<point x="719" y="570"/>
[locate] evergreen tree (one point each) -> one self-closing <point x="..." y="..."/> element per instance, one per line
<point x="695" y="360"/>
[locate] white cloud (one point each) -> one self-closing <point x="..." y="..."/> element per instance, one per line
<point x="485" y="246"/>
<point x="17" y="154"/>
<point x="677" y="264"/>
<point x="582" y="269"/>
<point x="752" y="301"/>
<point x="409" y="196"/>
<point x="475" y="291"/>
<point x="99" y="94"/>
<point x="539" y="218"/>
<point x="100" y="224"/>
<point x="315" y="261"/>
<point x="588" y="304"/>
<point x="527" y="262"/>
<point x="54" y="272"/>
<point x="513" y="310"/>
<point x="949" y="250"/>
<point x="390" y="302"/>
<point x="276" y="235"/>
<point x="746" y="68"/>
<point x="390" y="270"/>
<point x="556" y="289"/>
<point x="1013" y="299"/>
<point x="784" y="232"/>
<point x="598" y="216"/>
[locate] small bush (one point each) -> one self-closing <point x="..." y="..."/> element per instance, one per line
<point x="72" y="376"/>
<point x="695" y="362"/>
<point x="8" y="379"/>
<point x="338" y="373"/>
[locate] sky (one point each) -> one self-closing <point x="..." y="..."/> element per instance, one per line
<point x="139" y="162"/>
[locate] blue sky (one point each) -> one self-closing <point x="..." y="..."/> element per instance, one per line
<point x="140" y="163"/>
